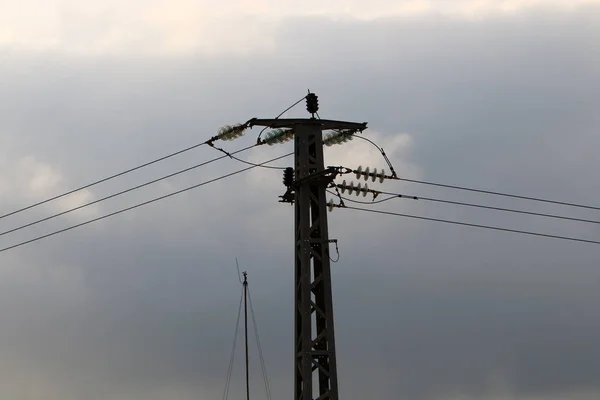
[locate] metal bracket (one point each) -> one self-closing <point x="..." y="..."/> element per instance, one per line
<point x="325" y="124"/>
<point x="328" y="175"/>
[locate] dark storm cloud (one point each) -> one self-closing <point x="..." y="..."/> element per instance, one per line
<point x="144" y="304"/>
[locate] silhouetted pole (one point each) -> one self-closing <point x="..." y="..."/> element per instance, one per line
<point x="314" y="342"/>
<point x="246" y="334"/>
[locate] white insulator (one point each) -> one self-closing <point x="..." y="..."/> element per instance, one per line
<point x="351" y="188"/>
<point x="229" y="132"/>
<point x="359" y="172"/>
<point x="225" y="129"/>
<point x="366" y="174"/>
<point x="365" y="190"/>
<point x="382" y="176"/>
<point x="330" y="205"/>
<point x="343" y="186"/>
<point x="224" y="132"/>
<point x="374" y="175"/>
<point x="358" y="189"/>
<point x="329" y="140"/>
<point x="277" y="136"/>
<point x="336" y="138"/>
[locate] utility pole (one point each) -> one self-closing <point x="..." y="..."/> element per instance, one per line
<point x="246" y="334"/>
<point x="314" y="343"/>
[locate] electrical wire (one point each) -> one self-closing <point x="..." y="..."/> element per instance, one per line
<point x="337" y="250"/>
<point x="290" y="107"/>
<point x="460" y="203"/>
<point x="256" y="165"/>
<point x="472" y="189"/>
<point x="139" y="204"/>
<point x="231" y="358"/>
<point x="121" y="192"/>
<point x="385" y="157"/>
<point x="361" y="202"/>
<point x="260" y="352"/>
<point x="500" y="194"/>
<point x="104" y="179"/>
<point x="472" y="225"/>
<point x="237" y="265"/>
<point x="279" y="116"/>
<point x="231" y="155"/>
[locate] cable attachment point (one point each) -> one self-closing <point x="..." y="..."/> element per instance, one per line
<point x="211" y="144"/>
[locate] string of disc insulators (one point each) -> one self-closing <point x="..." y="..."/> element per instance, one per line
<point x="278" y="136"/>
<point x="338" y="137"/>
<point x="231" y="132"/>
<point x="357" y="190"/>
<point x="366" y="174"/>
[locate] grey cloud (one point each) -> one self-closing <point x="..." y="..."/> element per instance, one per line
<point x="423" y="311"/>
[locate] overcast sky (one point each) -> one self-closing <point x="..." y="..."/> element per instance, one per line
<point x="499" y="95"/>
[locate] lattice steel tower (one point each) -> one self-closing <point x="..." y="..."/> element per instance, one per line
<point x="314" y="345"/>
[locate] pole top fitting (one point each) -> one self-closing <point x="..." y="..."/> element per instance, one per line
<point x="312" y="103"/>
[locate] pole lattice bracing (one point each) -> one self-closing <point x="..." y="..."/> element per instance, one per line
<point x="314" y="330"/>
<point x="315" y="369"/>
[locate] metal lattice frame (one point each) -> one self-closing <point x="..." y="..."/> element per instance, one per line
<point x="314" y="346"/>
<point x="314" y="331"/>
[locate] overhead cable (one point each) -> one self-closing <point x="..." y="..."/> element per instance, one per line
<point x="501" y="194"/>
<point x="122" y="192"/>
<point x="458" y="203"/>
<point x="471" y="225"/>
<point x="139" y="204"/>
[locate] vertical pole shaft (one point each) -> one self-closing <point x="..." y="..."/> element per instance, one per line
<point x="246" y="334"/>
<point x="315" y="360"/>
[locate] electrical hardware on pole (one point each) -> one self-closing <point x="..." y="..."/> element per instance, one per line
<point x="315" y="366"/>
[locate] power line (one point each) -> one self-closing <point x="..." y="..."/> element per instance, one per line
<point x="279" y="116"/>
<point x="254" y="164"/>
<point x="459" y="203"/>
<point x="104" y="179"/>
<point x="140" y="204"/>
<point x="361" y="202"/>
<point x="231" y="155"/>
<point x="472" y="189"/>
<point x="122" y="192"/>
<point x="290" y="107"/>
<point x="473" y="225"/>
<point x="385" y="157"/>
<point x="500" y="194"/>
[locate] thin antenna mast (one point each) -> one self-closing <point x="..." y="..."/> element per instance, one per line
<point x="246" y="333"/>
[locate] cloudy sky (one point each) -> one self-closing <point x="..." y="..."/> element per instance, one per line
<point x="494" y="94"/>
